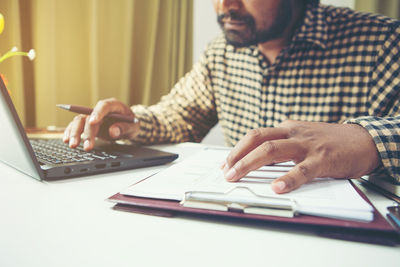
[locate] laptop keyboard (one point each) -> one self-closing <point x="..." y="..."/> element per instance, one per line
<point x="57" y="152"/>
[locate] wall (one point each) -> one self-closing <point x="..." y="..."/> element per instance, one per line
<point x="345" y="3"/>
<point x="205" y="26"/>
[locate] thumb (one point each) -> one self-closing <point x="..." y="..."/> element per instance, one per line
<point x="299" y="175"/>
<point x="123" y="130"/>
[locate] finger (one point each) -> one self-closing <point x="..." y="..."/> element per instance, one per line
<point x="299" y="175"/>
<point x="75" y="130"/>
<point x="267" y="153"/>
<point x="89" y="134"/>
<point x="123" y="130"/>
<point x="252" y="140"/>
<point x="106" y="106"/>
<point x="66" y="134"/>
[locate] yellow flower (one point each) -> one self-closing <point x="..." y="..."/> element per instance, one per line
<point x="1" y="23"/>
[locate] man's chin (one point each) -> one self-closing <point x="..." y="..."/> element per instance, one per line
<point x="237" y="39"/>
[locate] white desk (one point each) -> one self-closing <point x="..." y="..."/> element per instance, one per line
<point x="69" y="223"/>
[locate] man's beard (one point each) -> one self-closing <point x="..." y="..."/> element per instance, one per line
<point x="251" y="35"/>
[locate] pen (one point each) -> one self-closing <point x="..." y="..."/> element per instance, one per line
<point x="88" y="111"/>
<point x="379" y="190"/>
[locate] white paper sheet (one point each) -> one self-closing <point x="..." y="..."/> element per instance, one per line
<point x="323" y="196"/>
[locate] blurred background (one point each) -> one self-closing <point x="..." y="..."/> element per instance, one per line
<point x="133" y="50"/>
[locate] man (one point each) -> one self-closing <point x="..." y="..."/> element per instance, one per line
<point x="290" y="80"/>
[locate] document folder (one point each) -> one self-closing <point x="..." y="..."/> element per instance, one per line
<point x="379" y="231"/>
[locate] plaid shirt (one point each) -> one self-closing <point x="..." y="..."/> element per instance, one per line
<point x="341" y="67"/>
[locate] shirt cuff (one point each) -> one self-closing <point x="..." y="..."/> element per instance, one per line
<point x="386" y="136"/>
<point x="145" y="123"/>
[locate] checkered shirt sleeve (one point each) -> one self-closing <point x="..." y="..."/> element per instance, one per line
<point x="383" y="124"/>
<point x="186" y="114"/>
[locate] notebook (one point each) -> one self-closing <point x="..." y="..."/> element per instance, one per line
<point x="52" y="159"/>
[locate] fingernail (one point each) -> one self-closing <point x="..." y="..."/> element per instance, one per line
<point x="115" y="132"/>
<point x="92" y="118"/>
<point x="72" y="141"/>
<point x="278" y="186"/>
<point x="86" y="144"/>
<point x="222" y="166"/>
<point x="230" y="174"/>
<point x="226" y="168"/>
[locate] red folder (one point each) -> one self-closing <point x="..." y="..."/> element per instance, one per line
<point x="379" y="231"/>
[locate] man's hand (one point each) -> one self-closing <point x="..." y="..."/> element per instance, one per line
<point x="318" y="149"/>
<point x="96" y="125"/>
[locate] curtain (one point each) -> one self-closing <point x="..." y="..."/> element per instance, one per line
<point x="87" y="50"/>
<point x="389" y="8"/>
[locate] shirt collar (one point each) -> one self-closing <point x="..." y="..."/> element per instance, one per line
<point x="314" y="28"/>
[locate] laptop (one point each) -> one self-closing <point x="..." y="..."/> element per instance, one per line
<point x="50" y="159"/>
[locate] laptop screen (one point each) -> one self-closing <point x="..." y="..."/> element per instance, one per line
<point x="15" y="149"/>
